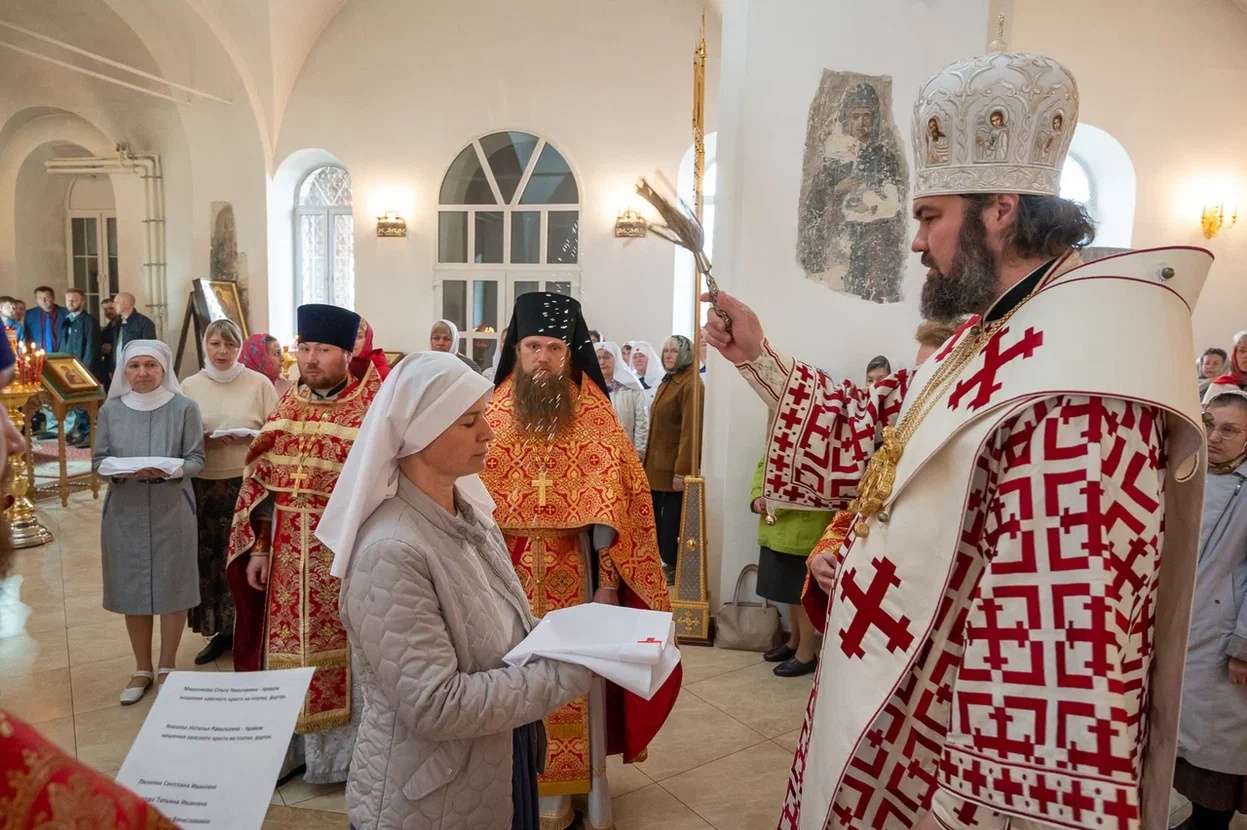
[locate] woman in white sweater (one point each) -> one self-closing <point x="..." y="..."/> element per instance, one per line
<point x="230" y="397"/>
<point x="629" y="399"/>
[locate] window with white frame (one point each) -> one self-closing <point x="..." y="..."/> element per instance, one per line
<point x="324" y="238"/>
<point x="508" y="223"/>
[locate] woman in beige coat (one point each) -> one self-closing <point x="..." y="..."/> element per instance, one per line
<point x="451" y="737"/>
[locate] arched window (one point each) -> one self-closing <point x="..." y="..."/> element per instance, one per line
<point x="508" y="223"/>
<point x="1076" y="182"/>
<point x="1099" y="174"/>
<point x="682" y="286"/>
<point x="324" y="246"/>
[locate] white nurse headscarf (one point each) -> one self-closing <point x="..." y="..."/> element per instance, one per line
<point x="454" y="333"/>
<point x="653" y="370"/>
<point x="424" y="394"/>
<point x="145" y="401"/>
<point x="624" y="375"/>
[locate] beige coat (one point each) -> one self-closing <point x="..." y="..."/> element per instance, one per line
<point x="670" y="449"/>
<point x="431" y="603"/>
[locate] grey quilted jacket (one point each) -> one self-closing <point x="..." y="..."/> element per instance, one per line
<point x="431" y="603"/>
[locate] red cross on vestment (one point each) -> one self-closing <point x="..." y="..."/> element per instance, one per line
<point x="984" y="380"/>
<point x="870" y="612"/>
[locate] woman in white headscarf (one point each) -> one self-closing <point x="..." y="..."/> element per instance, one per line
<point x="647" y="366"/>
<point x="451" y="737"/>
<point x="230" y="396"/>
<point x="627" y="396"/>
<point x="149" y="536"/>
<point x="444" y="337"/>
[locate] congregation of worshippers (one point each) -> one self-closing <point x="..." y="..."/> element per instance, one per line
<point x="1006" y="555"/>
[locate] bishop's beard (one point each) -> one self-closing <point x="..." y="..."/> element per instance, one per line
<point x="545" y="403"/>
<point x="972" y="282"/>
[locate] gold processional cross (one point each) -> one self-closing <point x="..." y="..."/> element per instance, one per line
<point x="541" y="483"/>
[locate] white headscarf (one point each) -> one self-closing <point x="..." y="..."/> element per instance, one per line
<point x="145" y="401"/>
<point x="423" y="395"/>
<point x="623" y="375"/>
<point x="454" y="334"/>
<point x="222" y="375"/>
<point x="653" y="370"/>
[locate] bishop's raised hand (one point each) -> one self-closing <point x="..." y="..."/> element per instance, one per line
<point x="743" y="341"/>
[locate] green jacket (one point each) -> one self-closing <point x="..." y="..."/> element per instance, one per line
<point x="794" y="531"/>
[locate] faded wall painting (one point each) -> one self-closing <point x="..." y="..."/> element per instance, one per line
<point x="854" y="189"/>
<point x="223" y="256"/>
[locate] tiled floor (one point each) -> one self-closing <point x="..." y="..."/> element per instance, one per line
<point x="721" y="761"/>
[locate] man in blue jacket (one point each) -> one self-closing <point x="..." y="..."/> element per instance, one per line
<point x="80" y="337"/>
<point x="44" y="321"/>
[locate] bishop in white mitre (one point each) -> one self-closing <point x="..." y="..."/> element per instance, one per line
<point x="1007" y="611"/>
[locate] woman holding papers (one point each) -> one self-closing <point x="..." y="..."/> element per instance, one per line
<point x="148" y="537"/>
<point x="451" y="737"/>
<point x="231" y="398"/>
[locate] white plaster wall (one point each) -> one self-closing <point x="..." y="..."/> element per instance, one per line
<point x="41" y="255"/>
<point x="609" y="84"/>
<point x="1168" y="84"/>
<point x="774" y="55"/>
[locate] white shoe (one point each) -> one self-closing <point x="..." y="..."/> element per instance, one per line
<point x="133" y="694"/>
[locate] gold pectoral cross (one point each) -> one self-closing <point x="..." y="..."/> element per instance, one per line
<point x="541" y="483"/>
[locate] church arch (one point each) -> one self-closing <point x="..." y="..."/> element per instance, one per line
<point x="1100" y="174"/>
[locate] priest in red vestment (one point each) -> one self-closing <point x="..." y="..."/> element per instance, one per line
<point x="1009" y="589"/>
<point x="574" y="506"/>
<point x="278" y="570"/>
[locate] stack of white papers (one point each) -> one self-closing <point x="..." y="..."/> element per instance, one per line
<point x="234" y="432"/>
<point x="113" y="466"/>
<point x="631" y="648"/>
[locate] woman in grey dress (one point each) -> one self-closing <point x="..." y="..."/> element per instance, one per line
<point x="451" y="736"/>
<point x="149" y="535"/>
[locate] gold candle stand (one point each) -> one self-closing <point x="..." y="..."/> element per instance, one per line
<point x="25" y="531"/>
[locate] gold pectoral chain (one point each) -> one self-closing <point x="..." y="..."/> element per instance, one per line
<point x="877" y="482"/>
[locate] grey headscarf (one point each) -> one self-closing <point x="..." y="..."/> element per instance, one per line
<point x="685" y="358"/>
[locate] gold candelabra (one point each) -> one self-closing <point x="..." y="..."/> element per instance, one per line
<point x="25" y="530"/>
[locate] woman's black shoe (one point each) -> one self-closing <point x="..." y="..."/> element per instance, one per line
<point x="779" y="654"/>
<point x="217" y="646"/>
<point x="795" y="668"/>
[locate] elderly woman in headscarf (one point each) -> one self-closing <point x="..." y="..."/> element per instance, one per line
<point x="626" y="393"/>
<point x="451" y="737"/>
<point x="647" y="366"/>
<point x="262" y="353"/>
<point x="230" y="397"/>
<point x="1236" y="378"/>
<point x="669" y="456"/>
<point x="149" y="535"/>
<point x="444" y="337"/>
<point x="364" y="353"/>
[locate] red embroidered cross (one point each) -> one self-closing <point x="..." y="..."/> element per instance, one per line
<point x="650" y="640"/>
<point x="870" y="612"/>
<point x="799" y="395"/>
<point x="993" y="361"/>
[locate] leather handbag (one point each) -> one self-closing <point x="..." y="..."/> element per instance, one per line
<point x="746" y="626"/>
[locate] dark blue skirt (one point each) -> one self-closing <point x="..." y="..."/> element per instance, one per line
<point x="525" y="742"/>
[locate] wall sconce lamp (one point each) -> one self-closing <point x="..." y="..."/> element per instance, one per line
<point x="1215" y="219"/>
<point x="630" y="225"/>
<point x="391" y="225"/>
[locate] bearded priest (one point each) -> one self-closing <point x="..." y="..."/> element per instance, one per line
<point x="287" y="601"/>
<point x="574" y="506"/>
<point x="1005" y="638"/>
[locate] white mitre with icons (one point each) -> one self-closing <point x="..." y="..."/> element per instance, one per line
<point x="997" y="123"/>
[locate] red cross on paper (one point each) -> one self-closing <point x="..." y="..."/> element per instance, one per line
<point x="870" y="612"/>
<point x="984" y="380"/>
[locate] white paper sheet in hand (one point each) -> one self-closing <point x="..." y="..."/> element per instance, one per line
<point x="234" y="432"/>
<point x="113" y="466"/>
<point x="630" y="647"/>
